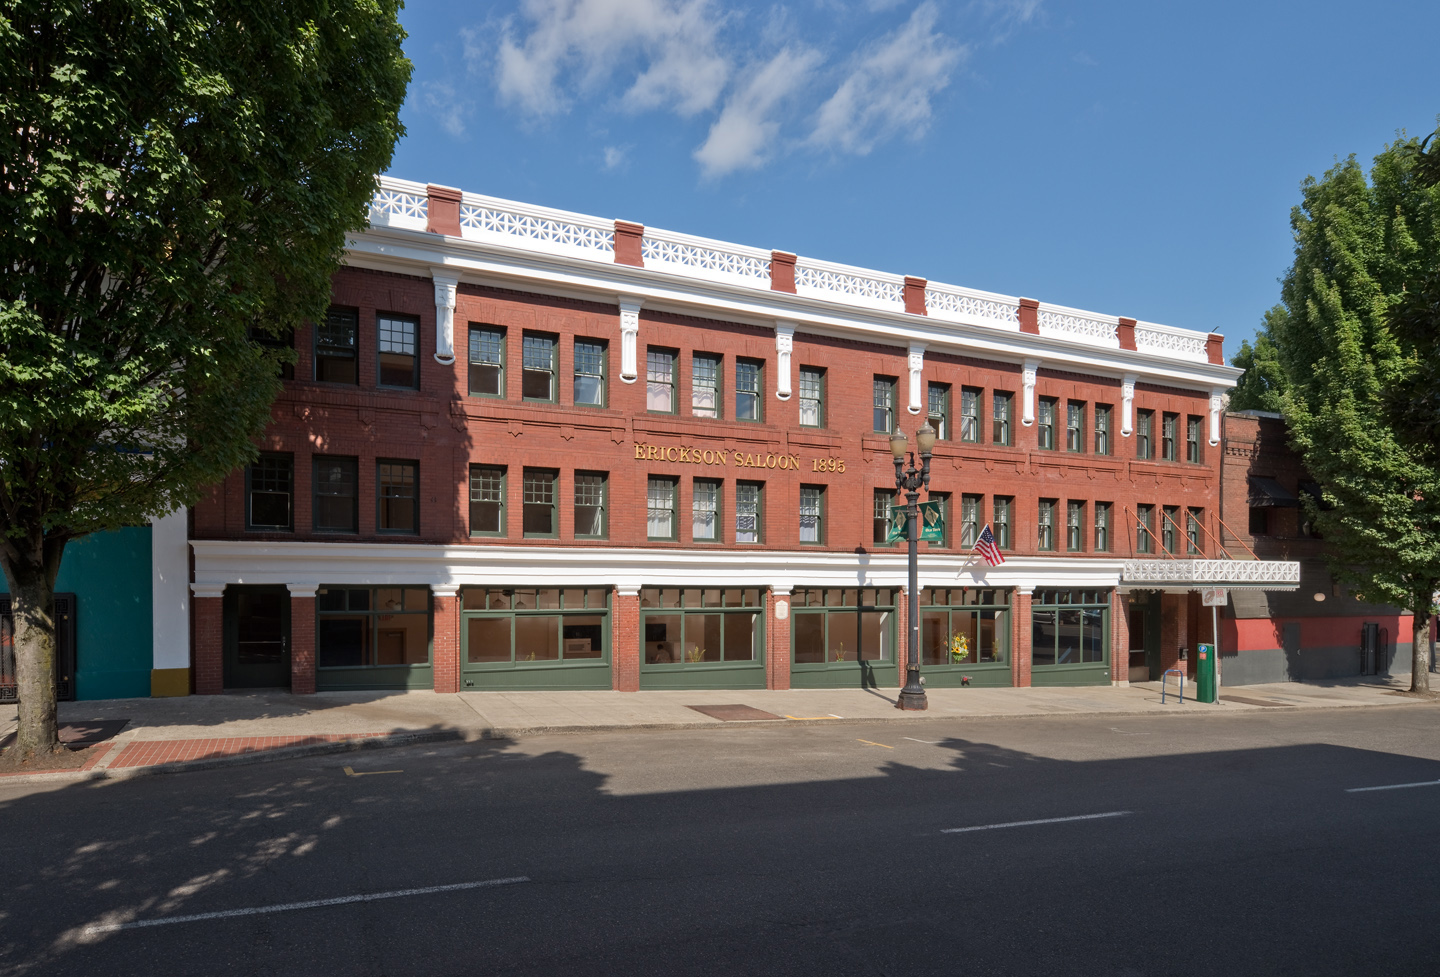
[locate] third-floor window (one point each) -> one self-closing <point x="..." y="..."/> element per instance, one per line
<point x="970" y="414"/>
<point x="1046" y="423"/>
<point x="537" y="379"/>
<point x="660" y="381"/>
<point x="884" y="397"/>
<point x="748" y="390"/>
<point x="705" y="385"/>
<point x="487" y="362"/>
<point x="589" y="373"/>
<point x="336" y="340"/>
<point x="937" y="397"/>
<point x="812" y="397"/>
<point x="399" y="359"/>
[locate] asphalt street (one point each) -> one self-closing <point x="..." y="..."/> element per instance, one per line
<point x="1143" y="846"/>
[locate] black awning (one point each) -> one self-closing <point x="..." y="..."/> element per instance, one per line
<point x="1268" y="492"/>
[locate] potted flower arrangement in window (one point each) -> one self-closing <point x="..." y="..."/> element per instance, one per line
<point x="959" y="648"/>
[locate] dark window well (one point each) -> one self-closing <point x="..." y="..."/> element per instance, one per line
<point x="969" y="520"/>
<point x="1075" y="526"/>
<point x="487" y="361"/>
<point x="336" y="341"/>
<point x="281" y="344"/>
<point x="361" y="627"/>
<point x="337" y="504"/>
<point x="398" y="496"/>
<point x="1259" y="522"/>
<point x="540" y="514"/>
<point x="399" y="352"/>
<point x="487" y="501"/>
<point x="271" y="492"/>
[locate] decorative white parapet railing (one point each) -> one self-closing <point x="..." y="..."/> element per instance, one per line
<point x="698" y="257"/>
<point x="515" y="225"/>
<point x="853" y="286"/>
<point x="1176" y="344"/>
<point x="399" y="203"/>
<point x="1239" y="574"/>
<point x="1078" y="326"/>
<point x="953" y="303"/>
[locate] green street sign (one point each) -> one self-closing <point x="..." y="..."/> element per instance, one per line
<point x="931" y="519"/>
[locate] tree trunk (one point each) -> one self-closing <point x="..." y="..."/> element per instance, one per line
<point x="32" y="602"/>
<point x="1420" y="647"/>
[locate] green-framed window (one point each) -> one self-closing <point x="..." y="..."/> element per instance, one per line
<point x="706" y="376"/>
<point x="812" y="396"/>
<point x="1001" y="405"/>
<point x="1068" y="627"/>
<point x="937" y="402"/>
<point x="1074" y="426"/>
<point x="970" y="419"/>
<point x="270" y="493"/>
<point x="660" y="380"/>
<point x="1168" y="516"/>
<point x="398" y="339"/>
<point x="336" y="501"/>
<point x="590" y="373"/>
<point x="749" y="512"/>
<point x="1003" y="509"/>
<point x="1144" y="528"/>
<point x="749" y="390"/>
<point x="1145" y="434"/>
<point x="689" y="627"/>
<point x="1102" y="527"/>
<point x="660" y="507"/>
<point x="1102" y="429"/>
<point x="839" y="625"/>
<point x="705" y="510"/>
<point x="487" y="500"/>
<point x="1045" y="535"/>
<point x="1168" y="435"/>
<point x="540" y="515"/>
<point x="1045" y="422"/>
<point x="537" y="368"/>
<point x="505" y="628"/>
<point x="812" y="514"/>
<point x="592" y="496"/>
<point x="883" y="500"/>
<point x="883" y="390"/>
<point x="1074" y="526"/>
<point x="1192" y="440"/>
<point x="397" y="496"/>
<point x="372" y="627"/>
<point x="1194" y="536"/>
<point x="487" y="361"/>
<point x="970" y="516"/>
<point x="337" y="342"/>
<point x="978" y="615"/>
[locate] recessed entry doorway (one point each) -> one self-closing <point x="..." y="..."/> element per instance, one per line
<point x="257" y="637"/>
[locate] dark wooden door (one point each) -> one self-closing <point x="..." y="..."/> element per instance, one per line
<point x="257" y="637"/>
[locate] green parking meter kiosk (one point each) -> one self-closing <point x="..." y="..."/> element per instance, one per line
<point x="1205" y="673"/>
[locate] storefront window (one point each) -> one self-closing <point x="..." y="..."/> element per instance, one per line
<point x="963" y="626"/>
<point x="372" y="626"/>
<point x="695" y="626"/>
<point x="508" y="626"/>
<point x="1068" y="627"/>
<point x="837" y="625"/>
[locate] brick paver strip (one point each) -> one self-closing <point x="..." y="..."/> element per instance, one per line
<point x="147" y="753"/>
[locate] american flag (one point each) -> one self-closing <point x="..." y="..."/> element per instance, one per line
<point x="986" y="547"/>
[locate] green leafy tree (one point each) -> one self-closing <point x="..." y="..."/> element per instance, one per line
<point x="178" y="176"/>
<point x="1415" y="402"/>
<point x="1358" y="244"/>
<point x="1262" y="387"/>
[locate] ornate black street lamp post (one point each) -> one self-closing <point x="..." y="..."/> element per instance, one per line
<point x="909" y="481"/>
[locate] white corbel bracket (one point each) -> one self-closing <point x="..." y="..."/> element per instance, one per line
<point x="916" y="363"/>
<point x="1218" y="401"/>
<point x="445" y="284"/>
<point x="784" y="345"/>
<point x="1127" y="404"/>
<point x="1027" y="394"/>
<point x="629" y="333"/>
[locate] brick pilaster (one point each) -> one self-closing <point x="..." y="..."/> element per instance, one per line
<point x="209" y="644"/>
<point x="1020" y="646"/>
<point x="777" y="640"/>
<point x="1174" y="629"/>
<point x="625" y="643"/>
<point x="302" y="641"/>
<point x="1119" y="638"/>
<point x="445" y="652"/>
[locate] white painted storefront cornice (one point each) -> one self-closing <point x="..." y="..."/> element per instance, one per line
<point x="220" y="562"/>
<point x="416" y="252"/>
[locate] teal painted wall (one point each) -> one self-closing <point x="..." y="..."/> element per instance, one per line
<point x="109" y="574"/>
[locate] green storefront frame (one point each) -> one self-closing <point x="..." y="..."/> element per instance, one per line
<point x="548" y="639"/>
<point x="1070" y="637"/>
<point x="374" y="638"/>
<point x="702" y="638"/>
<point x="843" y="638"/>
<point x="982" y="615"/>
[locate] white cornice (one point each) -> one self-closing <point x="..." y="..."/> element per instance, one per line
<point x="418" y="252"/>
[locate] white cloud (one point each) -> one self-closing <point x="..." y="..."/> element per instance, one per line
<point x="615" y="157"/>
<point x="889" y="87"/>
<point x="450" y="108"/>
<point x="587" y="42"/>
<point x="744" y="134"/>
<point x="1008" y="16"/>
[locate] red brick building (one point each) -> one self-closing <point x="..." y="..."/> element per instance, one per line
<point x="535" y="449"/>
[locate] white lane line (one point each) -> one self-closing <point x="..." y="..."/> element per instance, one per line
<point x="1423" y="783"/>
<point x="309" y="904"/>
<point x="930" y="742"/>
<point x="1026" y="824"/>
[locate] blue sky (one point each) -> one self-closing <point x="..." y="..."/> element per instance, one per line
<point x="1132" y="158"/>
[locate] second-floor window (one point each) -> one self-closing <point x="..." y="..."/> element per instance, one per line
<point x="399" y="354"/>
<point x="749" y="512"/>
<point x="970" y="414"/>
<point x="590" y="505"/>
<point x="398" y="496"/>
<point x="1075" y="526"/>
<point x="660" y="508"/>
<point x="938" y="409"/>
<point x="705" y="511"/>
<point x="812" y="397"/>
<point x="487" y="501"/>
<point x="336" y="508"/>
<point x="1168" y="449"/>
<point x="1045" y="539"/>
<point x="1046" y="423"/>
<point x="1004" y="517"/>
<point x="270" y="494"/>
<point x="538" y="517"/>
<point x="336" y="342"/>
<point x="1000" y="417"/>
<point x="883" y="499"/>
<point x="589" y="373"/>
<point x="1195" y="544"/>
<point x="487" y="362"/>
<point x="537" y="377"/>
<point x="1145" y="529"/>
<point x="660" y="381"/>
<point x="1102" y="527"/>
<point x="1102" y="429"/>
<point x="705" y="385"/>
<point x="1145" y="434"/>
<point x="747" y="390"/>
<point x="812" y="514"/>
<point x="1074" y="426"/>
<point x="1192" y="440"/>
<point x="1167" y="528"/>
<point x="969" y="520"/>
<point x="884" y="397"/>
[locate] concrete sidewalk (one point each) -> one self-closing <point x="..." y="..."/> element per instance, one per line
<point x="153" y="735"/>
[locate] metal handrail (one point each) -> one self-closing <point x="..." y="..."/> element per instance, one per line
<point x="1172" y="671"/>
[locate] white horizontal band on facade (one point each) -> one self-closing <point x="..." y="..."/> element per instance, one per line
<point x="218" y="563"/>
